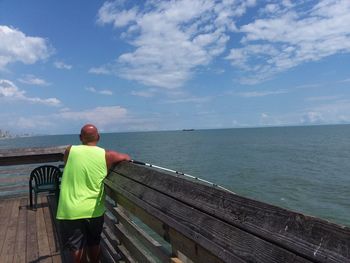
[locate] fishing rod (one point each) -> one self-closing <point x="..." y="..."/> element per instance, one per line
<point x="180" y="173"/>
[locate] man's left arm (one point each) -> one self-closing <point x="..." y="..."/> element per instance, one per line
<point x="112" y="158"/>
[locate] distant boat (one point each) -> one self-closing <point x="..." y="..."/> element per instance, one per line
<point x="188" y="130"/>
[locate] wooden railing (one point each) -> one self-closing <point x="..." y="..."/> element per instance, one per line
<point x="201" y="223"/>
<point x="156" y="216"/>
<point x="16" y="165"/>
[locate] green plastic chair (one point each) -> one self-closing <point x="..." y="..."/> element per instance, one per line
<point x="44" y="178"/>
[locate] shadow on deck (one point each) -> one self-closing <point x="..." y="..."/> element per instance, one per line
<point x="27" y="235"/>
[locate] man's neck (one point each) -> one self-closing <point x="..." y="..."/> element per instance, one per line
<point x="90" y="144"/>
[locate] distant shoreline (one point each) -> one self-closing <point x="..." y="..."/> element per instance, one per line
<point x="177" y="130"/>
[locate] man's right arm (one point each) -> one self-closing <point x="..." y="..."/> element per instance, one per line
<point x="112" y="158"/>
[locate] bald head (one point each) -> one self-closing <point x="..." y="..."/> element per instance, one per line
<point x="89" y="134"/>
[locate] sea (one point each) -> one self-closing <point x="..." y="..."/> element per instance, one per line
<point x="305" y="169"/>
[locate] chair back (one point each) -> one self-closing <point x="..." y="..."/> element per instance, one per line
<point x="45" y="175"/>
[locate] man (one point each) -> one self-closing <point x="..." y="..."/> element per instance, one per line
<point x="81" y="202"/>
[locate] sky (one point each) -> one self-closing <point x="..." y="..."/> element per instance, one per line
<point x="167" y="65"/>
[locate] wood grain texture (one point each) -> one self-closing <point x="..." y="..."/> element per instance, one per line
<point x="109" y="249"/>
<point x="175" y="260"/>
<point x="20" y="244"/>
<point x="163" y="230"/>
<point x="134" y="247"/>
<point x="31" y="155"/>
<point x="8" y="247"/>
<point x="25" y="235"/>
<point x="134" y="230"/>
<point x="226" y="242"/>
<point x="116" y="246"/>
<point x="43" y="241"/>
<point x="309" y="237"/>
<point x="51" y="233"/>
<point x="5" y="207"/>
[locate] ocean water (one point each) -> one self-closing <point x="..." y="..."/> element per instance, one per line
<point x="305" y="169"/>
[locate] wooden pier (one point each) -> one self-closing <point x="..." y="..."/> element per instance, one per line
<point x="157" y="216"/>
<point x="27" y="235"/>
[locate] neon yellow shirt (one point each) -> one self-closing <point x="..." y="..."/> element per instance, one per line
<point x="82" y="189"/>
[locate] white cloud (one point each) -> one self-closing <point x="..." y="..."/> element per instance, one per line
<point x="322" y="98"/>
<point x="101" y="116"/>
<point x="100" y="71"/>
<point x="110" y="13"/>
<point x="251" y="94"/>
<point x="170" y="38"/>
<point x="32" y="123"/>
<point x="345" y="80"/>
<point x="102" y="92"/>
<point x="9" y="90"/>
<point x="33" y="80"/>
<point x="145" y="94"/>
<point x="62" y="65"/>
<point x="16" y="46"/>
<point x="312" y="118"/>
<point x="65" y="120"/>
<point x="105" y="92"/>
<point x="308" y="86"/>
<point x="189" y="100"/>
<point x="289" y="37"/>
<point x="337" y="111"/>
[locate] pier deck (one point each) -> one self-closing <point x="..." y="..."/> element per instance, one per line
<point x="27" y="235"/>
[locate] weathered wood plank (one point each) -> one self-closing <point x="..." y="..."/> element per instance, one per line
<point x="5" y="207"/>
<point x="108" y="247"/>
<point x="293" y="231"/>
<point x="168" y="219"/>
<point x="8" y="258"/>
<point x="175" y="260"/>
<point x="31" y="151"/>
<point x="43" y="241"/>
<point x="8" y="248"/>
<point x="17" y="170"/>
<point x="154" y="223"/>
<point x="106" y="252"/>
<point x="19" y="231"/>
<point x="15" y="180"/>
<point x="32" y="238"/>
<point x="31" y="155"/>
<point x="42" y="158"/>
<point x="20" y="244"/>
<point x="65" y="257"/>
<point x="13" y="188"/>
<point x="109" y="224"/>
<point x="188" y="251"/>
<point x="164" y="230"/>
<point x="134" y="230"/>
<point x="107" y="234"/>
<point x="51" y="233"/>
<point x="131" y="244"/>
<point x="229" y="243"/>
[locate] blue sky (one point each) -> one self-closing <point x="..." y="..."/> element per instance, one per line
<point x="167" y="65"/>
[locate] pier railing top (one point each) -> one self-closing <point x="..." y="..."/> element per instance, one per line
<point x="229" y="226"/>
<point x="31" y="155"/>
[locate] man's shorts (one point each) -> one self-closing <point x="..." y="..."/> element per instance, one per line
<point x="78" y="233"/>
